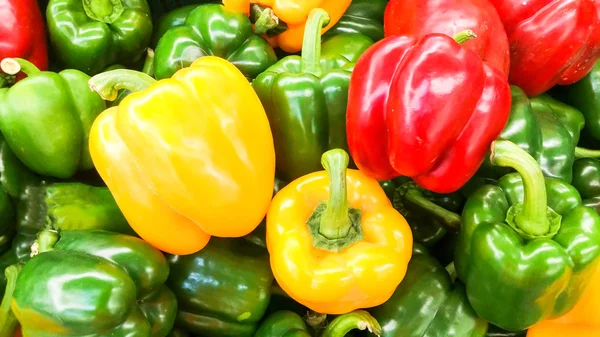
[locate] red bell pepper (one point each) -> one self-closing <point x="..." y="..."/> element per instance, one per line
<point x="417" y="18"/>
<point x="424" y="108"/>
<point x="552" y="41"/>
<point x="22" y="32"/>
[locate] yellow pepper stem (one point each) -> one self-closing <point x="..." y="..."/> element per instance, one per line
<point x="108" y="84"/>
<point x="8" y="321"/>
<point x="311" y="45"/>
<point x="334" y="225"/>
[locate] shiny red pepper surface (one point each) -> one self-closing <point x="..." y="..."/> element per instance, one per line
<point x="22" y="32"/>
<point x="551" y="41"/>
<point x="424" y="108"/>
<point x="417" y="18"/>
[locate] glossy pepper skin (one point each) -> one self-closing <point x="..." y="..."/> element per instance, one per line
<point x="49" y="134"/>
<point x="362" y="17"/>
<point x="170" y="19"/>
<point x="586" y="179"/>
<point x="428" y="303"/>
<point x="324" y="226"/>
<point x="110" y="284"/>
<point x="223" y="290"/>
<point x="151" y="161"/>
<point x="450" y="17"/>
<point x="305" y="100"/>
<point x="161" y="9"/>
<point x="405" y="119"/>
<point x="91" y="35"/>
<point x="294" y="14"/>
<point x="212" y="29"/>
<point x="348" y="45"/>
<point x="548" y="239"/>
<point x="22" y="31"/>
<point x="552" y="42"/>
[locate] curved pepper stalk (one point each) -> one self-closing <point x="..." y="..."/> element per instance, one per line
<point x="8" y="321"/>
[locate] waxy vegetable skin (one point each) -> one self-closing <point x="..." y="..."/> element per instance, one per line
<point x="205" y="168"/>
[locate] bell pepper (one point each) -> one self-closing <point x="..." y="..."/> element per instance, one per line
<point x="551" y="42"/>
<point x="362" y="17"/>
<point x="285" y="20"/>
<point x="450" y="17"/>
<point x="214" y="148"/>
<point x="305" y="100"/>
<point x="586" y="179"/>
<point x="93" y="34"/>
<point x="22" y="34"/>
<point x="428" y="303"/>
<point x="583" y="320"/>
<point x="46" y="117"/>
<point x="348" y="45"/>
<point x="161" y="9"/>
<point x="405" y="118"/>
<point x="289" y="324"/>
<point x="223" y="290"/>
<point x="528" y="246"/>
<point x="170" y="19"/>
<point x="232" y="39"/>
<point x="324" y="227"/>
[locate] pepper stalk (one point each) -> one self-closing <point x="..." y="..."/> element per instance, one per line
<point x="8" y="321"/>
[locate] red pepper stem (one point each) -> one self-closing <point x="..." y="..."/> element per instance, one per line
<point x="13" y="66"/>
<point x="586" y="153"/>
<point x="8" y="321"/>
<point x="464" y="36"/>
<point x="107" y="11"/>
<point x="108" y="84"/>
<point x="311" y="46"/>
<point x="148" y="68"/>
<point x="532" y="219"/>
<point x="358" y="319"/>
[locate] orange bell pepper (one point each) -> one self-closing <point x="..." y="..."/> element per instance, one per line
<point x="335" y="256"/>
<point x="186" y="157"/>
<point x="294" y="13"/>
<point x="582" y="321"/>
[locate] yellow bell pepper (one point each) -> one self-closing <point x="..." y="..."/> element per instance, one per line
<point x="582" y="321"/>
<point x="294" y="13"/>
<point x="186" y="157"/>
<point x="336" y="243"/>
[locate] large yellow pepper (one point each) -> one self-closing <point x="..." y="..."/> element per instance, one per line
<point x="186" y="157"/>
<point x="335" y="241"/>
<point x="294" y="14"/>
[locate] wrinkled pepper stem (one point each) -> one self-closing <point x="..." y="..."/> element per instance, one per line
<point x="107" y="11"/>
<point x="8" y="321"/>
<point x="311" y="45"/>
<point x="532" y="218"/>
<point x="13" y="66"/>
<point x="108" y="84"/>
<point x="409" y="195"/>
<point x="581" y="152"/>
<point x="358" y="319"/>
<point x="464" y="36"/>
<point x="334" y="225"/>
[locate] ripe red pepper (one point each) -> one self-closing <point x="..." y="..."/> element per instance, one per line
<point x="552" y="41"/>
<point x="424" y="108"/>
<point x="417" y="18"/>
<point x="22" y="32"/>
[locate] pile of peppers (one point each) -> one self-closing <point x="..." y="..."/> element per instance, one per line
<point x="295" y="168"/>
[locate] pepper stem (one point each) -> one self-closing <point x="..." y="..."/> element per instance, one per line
<point x="108" y="84"/>
<point x="334" y="225"/>
<point x="13" y="66"/>
<point x="581" y="152"/>
<point x="107" y="11"/>
<point x="451" y="269"/>
<point x="532" y="218"/>
<point x="358" y="319"/>
<point x="311" y="46"/>
<point x="45" y="241"/>
<point x="266" y="21"/>
<point x="148" y="67"/>
<point x="8" y="321"/>
<point x="464" y="36"/>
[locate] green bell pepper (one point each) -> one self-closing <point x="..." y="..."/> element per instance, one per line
<point x="586" y="179"/>
<point x="223" y="290"/>
<point x="527" y="245"/>
<point x="90" y="35"/>
<point x="428" y="303"/>
<point x="94" y="283"/>
<point x="163" y="8"/>
<point x="174" y="18"/>
<point x="305" y="100"/>
<point x="46" y="118"/>
<point x="362" y="17"/>
<point x="67" y="207"/>
<point x="212" y="29"/>
<point x="350" y="46"/>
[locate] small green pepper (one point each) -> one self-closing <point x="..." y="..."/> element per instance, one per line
<point x="362" y="17"/>
<point x="586" y="179"/>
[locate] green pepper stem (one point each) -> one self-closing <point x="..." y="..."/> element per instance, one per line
<point x="8" y="321"/>
<point x="581" y="152"/>
<point x="448" y="219"/>
<point x="108" y="84"/>
<point x="311" y="46"/>
<point x="107" y="11"/>
<point x="451" y="269"/>
<point x="266" y="21"/>
<point x="148" y="68"/>
<point x="532" y="219"/>
<point x="13" y="66"/>
<point x="358" y="319"/>
<point x="316" y="320"/>
<point x="464" y="36"/>
<point x="45" y="241"/>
